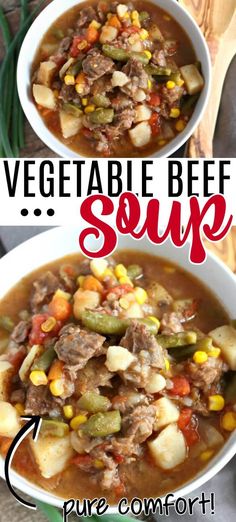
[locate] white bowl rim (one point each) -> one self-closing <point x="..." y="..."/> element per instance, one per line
<point x="221" y="459"/>
<point x="35" y="119"/>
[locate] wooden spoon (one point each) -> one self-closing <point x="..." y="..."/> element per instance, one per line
<point x="217" y="20"/>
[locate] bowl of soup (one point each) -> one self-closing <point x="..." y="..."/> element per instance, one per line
<point x="130" y="362"/>
<point x="110" y="79"/>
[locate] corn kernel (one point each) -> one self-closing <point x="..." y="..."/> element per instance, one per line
<point x="228" y="421"/>
<point x="77" y="421"/>
<point x="69" y="79"/>
<point x="82" y="45"/>
<point x="155" y="320"/>
<point x="124" y="303"/>
<point x="167" y="364"/>
<point x="84" y="102"/>
<point x="140" y="295"/>
<point x="98" y="267"/>
<point x="79" y="87"/>
<point x="20" y="408"/>
<point x="98" y="464"/>
<point x="174" y="112"/>
<point x="180" y="125"/>
<point x="95" y="25"/>
<point x="149" y="84"/>
<point x="144" y="34"/>
<point x="161" y="142"/>
<point x="89" y="108"/>
<point x="48" y="325"/>
<point x="56" y="387"/>
<point x="38" y="378"/>
<point x="200" y="357"/>
<point x="216" y="402"/>
<point x="180" y="82"/>
<point x="135" y="18"/>
<point x="68" y="411"/>
<point x="108" y="273"/>
<point x="170" y="84"/>
<point x="61" y="293"/>
<point x="148" y="54"/>
<point x="80" y="280"/>
<point x="214" y="352"/>
<point x="125" y="280"/>
<point x="206" y="455"/>
<point x="120" y="271"/>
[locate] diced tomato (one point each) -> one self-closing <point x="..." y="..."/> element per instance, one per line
<point x="118" y="290"/>
<point x="87" y="133"/>
<point x="154" y="100"/>
<point x="83" y="461"/>
<point x="191" y="435"/>
<point x="37" y="336"/>
<point x="74" y="51"/>
<point x="131" y="29"/>
<point x="184" y="418"/>
<point x="181" y="386"/>
<point x="155" y="123"/>
<point x="119" y="459"/>
<point x="16" y="358"/>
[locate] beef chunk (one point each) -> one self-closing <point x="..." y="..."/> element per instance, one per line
<point x="39" y="401"/>
<point x="86" y="15"/>
<point x="93" y="375"/>
<point x="96" y="64"/>
<point x="203" y="376"/>
<point x="102" y="85"/>
<point x="136" y="428"/>
<point x="76" y="346"/>
<point x="139" y="78"/>
<point x="158" y="58"/>
<point x="64" y="45"/>
<point x="69" y="94"/>
<point x="122" y="101"/>
<point x="84" y="267"/>
<point x="21" y="331"/>
<point x="172" y="96"/>
<point x="172" y="323"/>
<point x="18" y="395"/>
<point x="43" y="290"/>
<point x="68" y="276"/>
<point x="109" y="477"/>
<point x="147" y="351"/>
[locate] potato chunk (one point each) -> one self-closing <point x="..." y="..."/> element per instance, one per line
<point x="193" y="79"/>
<point x="46" y="72"/>
<point x="44" y="96"/>
<point x="143" y="113"/>
<point x="70" y="125"/>
<point x="156" y="383"/>
<point x="6" y="371"/>
<point x="52" y="454"/>
<point x="119" y="79"/>
<point x="9" y="420"/>
<point x="108" y="34"/>
<point x="118" y="358"/>
<point x="225" y="338"/>
<point x="141" y="134"/>
<point x="85" y="299"/>
<point x="168" y="449"/>
<point x="166" y="412"/>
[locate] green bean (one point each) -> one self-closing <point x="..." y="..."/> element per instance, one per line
<point x="101" y="116"/>
<point x="72" y="109"/>
<point x="93" y="402"/>
<point x="75" y="68"/>
<point x="177" y="339"/>
<point x="185" y="352"/>
<point x="102" y="424"/>
<point x="6" y="323"/>
<point x="112" y="325"/>
<point x="134" y="271"/>
<point x="230" y="391"/>
<point x="155" y="70"/>
<point x="100" y="100"/>
<point x="188" y="104"/>
<point x="121" y="55"/>
<point x="143" y="15"/>
<point x="45" y="360"/>
<point x="54" y="427"/>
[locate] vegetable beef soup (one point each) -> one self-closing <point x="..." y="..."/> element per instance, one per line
<point x="113" y="79"/>
<point x="131" y="364"/>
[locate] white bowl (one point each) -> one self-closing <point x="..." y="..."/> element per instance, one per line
<point x="31" y="44"/>
<point x="59" y="242"/>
